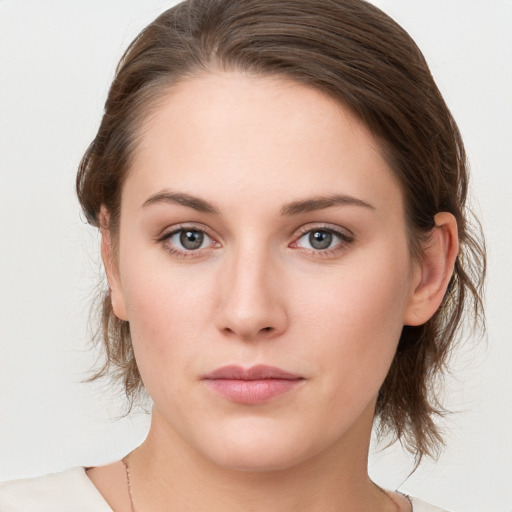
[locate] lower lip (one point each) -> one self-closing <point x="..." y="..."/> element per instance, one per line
<point x="252" y="392"/>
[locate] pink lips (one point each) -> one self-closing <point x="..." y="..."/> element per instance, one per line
<point x="251" y="386"/>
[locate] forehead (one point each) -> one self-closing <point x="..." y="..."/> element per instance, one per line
<point x="219" y="134"/>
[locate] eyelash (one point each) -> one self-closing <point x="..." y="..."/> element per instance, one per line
<point x="164" y="240"/>
<point x="344" y="239"/>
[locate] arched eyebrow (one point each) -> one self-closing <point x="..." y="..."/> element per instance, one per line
<point x="191" y="201"/>
<point x="321" y="202"/>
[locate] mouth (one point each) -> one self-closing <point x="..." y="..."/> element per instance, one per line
<point x="251" y="386"/>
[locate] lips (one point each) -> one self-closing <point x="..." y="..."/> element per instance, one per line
<point x="251" y="386"/>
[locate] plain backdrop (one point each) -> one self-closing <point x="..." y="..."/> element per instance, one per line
<point x="57" y="59"/>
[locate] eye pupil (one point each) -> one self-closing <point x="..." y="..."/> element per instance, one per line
<point x="320" y="239"/>
<point x="191" y="239"/>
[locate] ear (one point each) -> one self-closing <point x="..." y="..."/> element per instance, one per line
<point x="434" y="270"/>
<point x="111" y="266"/>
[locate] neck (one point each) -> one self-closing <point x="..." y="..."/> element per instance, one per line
<point x="168" y="474"/>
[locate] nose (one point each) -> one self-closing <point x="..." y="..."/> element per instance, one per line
<point x="251" y="297"/>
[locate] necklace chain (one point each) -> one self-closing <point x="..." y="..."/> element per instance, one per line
<point x="127" y="467"/>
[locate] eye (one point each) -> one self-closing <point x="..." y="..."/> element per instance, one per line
<point x="319" y="239"/>
<point x="187" y="240"/>
<point x="322" y="239"/>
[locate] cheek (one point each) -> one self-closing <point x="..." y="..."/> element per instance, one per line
<point x="168" y="310"/>
<point x="359" y="320"/>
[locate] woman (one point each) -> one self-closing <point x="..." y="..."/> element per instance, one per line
<point x="280" y="191"/>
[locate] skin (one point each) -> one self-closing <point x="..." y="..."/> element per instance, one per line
<point x="258" y="291"/>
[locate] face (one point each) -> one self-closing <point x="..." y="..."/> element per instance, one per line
<point x="264" y="268"/>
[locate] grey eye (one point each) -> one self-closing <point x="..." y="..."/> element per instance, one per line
<point x="191" y="239"/>
<point x="320" y="239"/>
<point x="185" y="241"/>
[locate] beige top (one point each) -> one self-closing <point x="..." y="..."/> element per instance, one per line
<point x="71" y="490"/>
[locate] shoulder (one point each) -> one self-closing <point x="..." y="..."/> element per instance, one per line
<point x="57" y="492"/>
<point x="421" y="506"/>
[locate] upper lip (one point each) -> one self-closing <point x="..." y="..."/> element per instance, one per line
<point x="258" y="372"/>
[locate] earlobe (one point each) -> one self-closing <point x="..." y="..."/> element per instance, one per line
<point x="111" y="267"/>
<point x="435" y="270"/>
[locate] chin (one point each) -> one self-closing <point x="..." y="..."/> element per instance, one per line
<point x="255" y="459"/>
<point x="256" y="449"/>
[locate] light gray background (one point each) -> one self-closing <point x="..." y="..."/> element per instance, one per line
<point x="56" y="62"/>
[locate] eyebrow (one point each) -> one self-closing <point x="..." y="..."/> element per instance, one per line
<point x="183" y="199"/>
<point x="293" y="208"/>
<point x="321" y="202"/>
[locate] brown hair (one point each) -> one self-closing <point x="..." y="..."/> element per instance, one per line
<point x="353" y="52"/>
